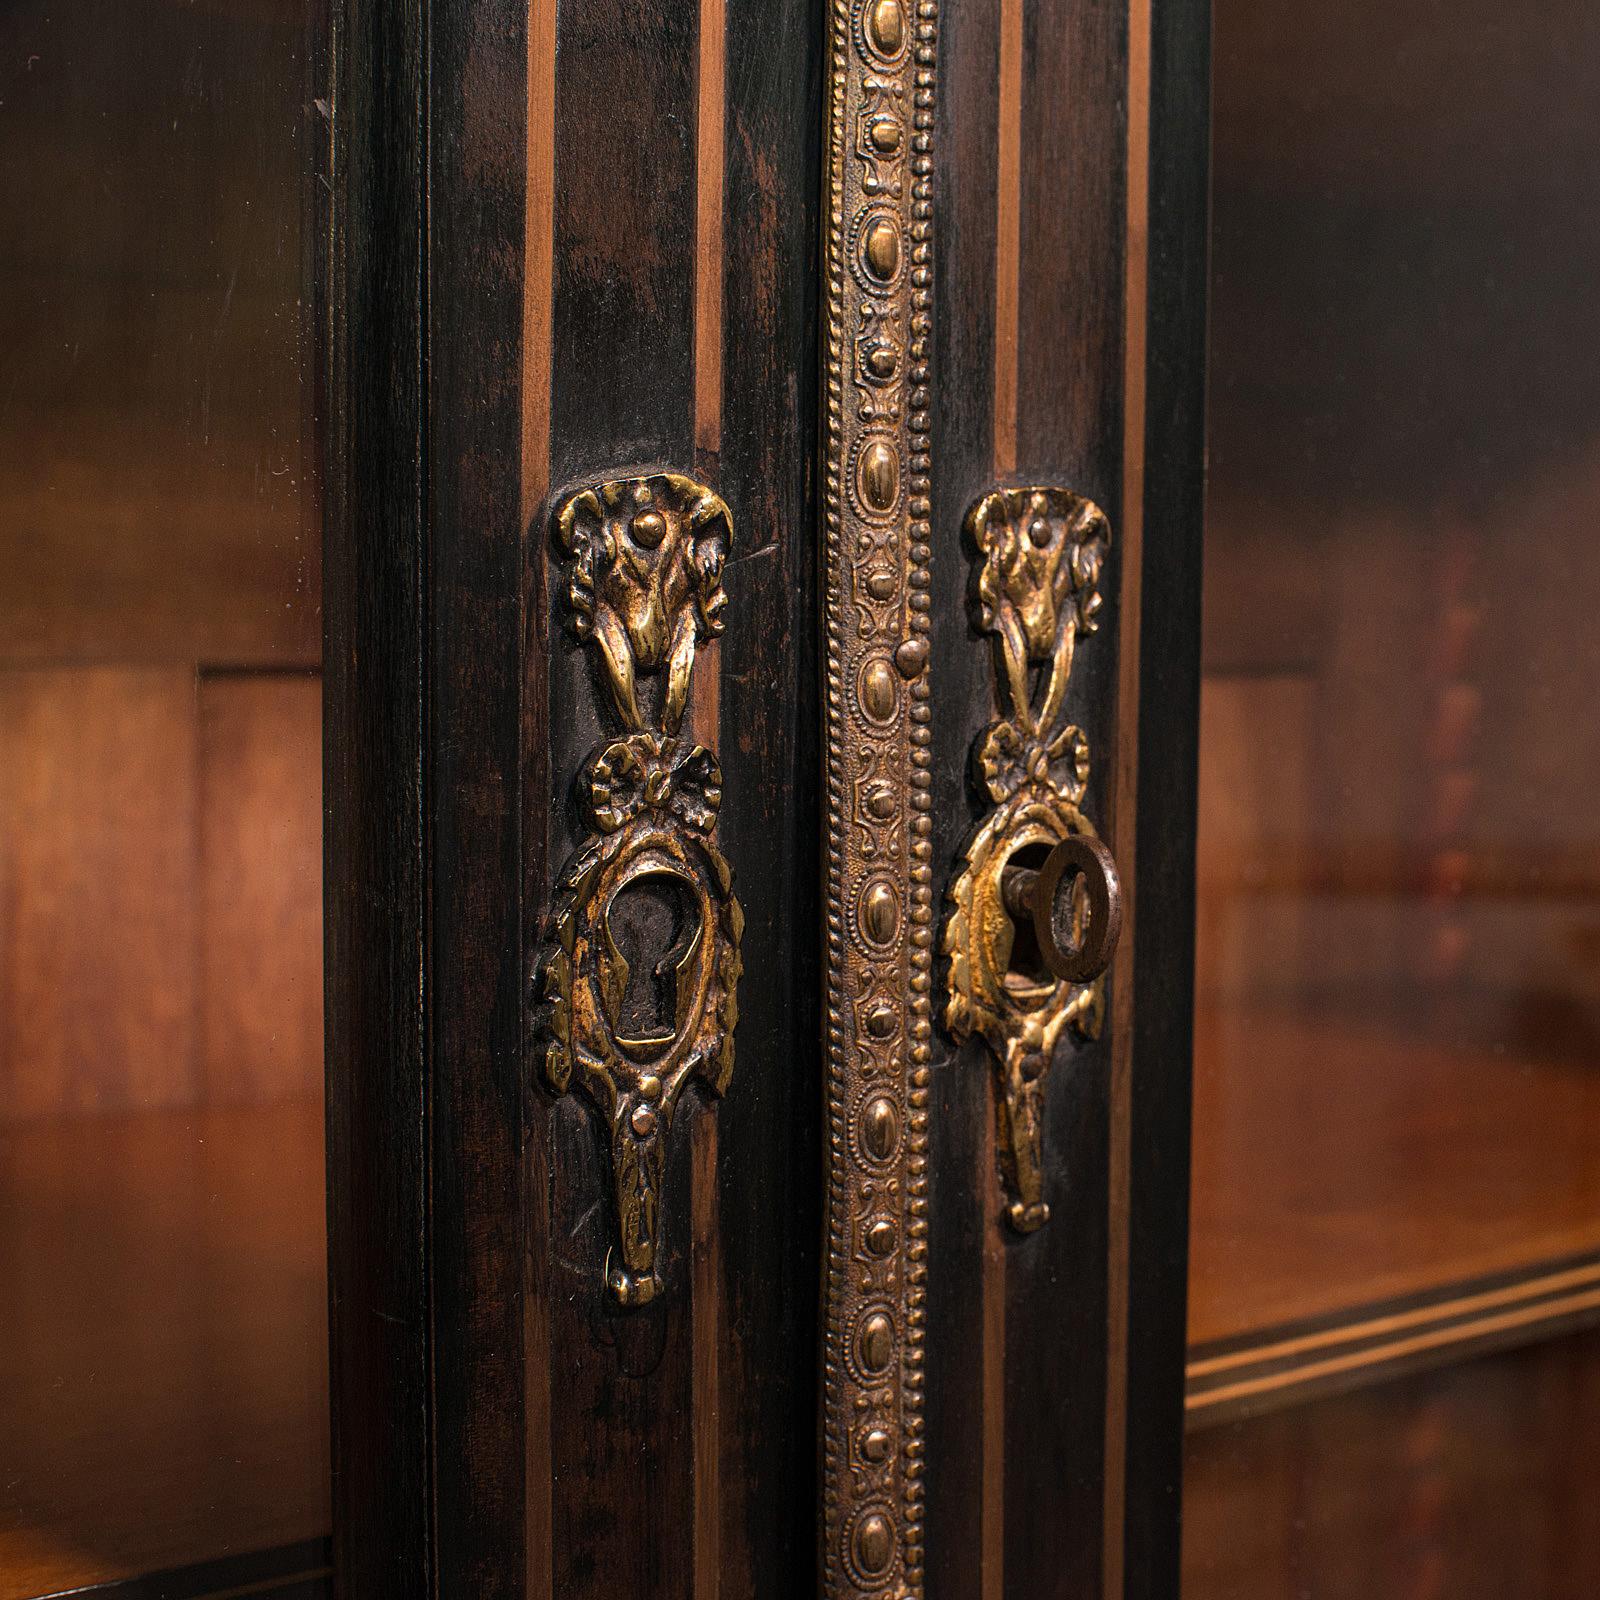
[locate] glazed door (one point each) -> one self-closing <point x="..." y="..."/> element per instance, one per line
<point x="1394" y="1378"/>
<point x="765" y="446"/>
<point x="164" y="1423"/>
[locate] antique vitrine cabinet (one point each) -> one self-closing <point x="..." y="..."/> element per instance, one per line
<point x="606" y="721"/>
<point x="745" y="412"/>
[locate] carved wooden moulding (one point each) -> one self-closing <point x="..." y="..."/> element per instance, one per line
<point x="880" y="893"/>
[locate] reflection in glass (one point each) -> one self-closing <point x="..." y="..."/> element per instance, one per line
<point x="163" y="1364"/>
<point x="1397" y="1070"/>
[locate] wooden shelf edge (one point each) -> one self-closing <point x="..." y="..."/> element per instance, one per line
<point x="1289" y="1365"/>
<point x="291" y="1572"/>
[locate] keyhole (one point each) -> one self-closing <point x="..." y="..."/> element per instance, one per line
<point x="653" y="927"/>
<point x="1026" y="966"/>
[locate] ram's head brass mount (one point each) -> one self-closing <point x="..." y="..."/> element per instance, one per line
<point x="1023" y="970"/>
<point x="644" y="582"/>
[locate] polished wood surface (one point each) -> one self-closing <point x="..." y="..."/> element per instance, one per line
<point x="162" y="1375"/>
<point x="1476" y="1482"/>
<point x="1390" y="1167"/>
<point x="1397" y="1039"/>
<point x="160" y="880"/>
<point x="163" y="1367"/>
<point x="152" y="485"/>
<point x="1397" y="1068"/>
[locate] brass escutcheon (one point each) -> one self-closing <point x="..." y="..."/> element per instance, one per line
<point x="1036" y="907"/>
<point x="644" y="559"/>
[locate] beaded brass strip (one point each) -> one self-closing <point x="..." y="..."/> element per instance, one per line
<point x="880" y="901"/>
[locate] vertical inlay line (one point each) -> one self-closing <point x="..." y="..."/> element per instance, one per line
<point x="1007" y="323"/>
<point x="708" y="264"/>
<point x="538" y="295"/>
<point x="1008" y="238"/>
<point x="1125" y="788"/>
<point x="706" y="1289"/>
<point x="538" y="281"/>
<point x="992" y="1513"/>
<point x="705" y="715"/>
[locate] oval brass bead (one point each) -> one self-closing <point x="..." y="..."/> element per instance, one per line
<point x="886" y="27"/>
<point x="880" y="1129"/>
<point x="877" y="691"/>
<point x="879" y="476"/>
<point x="877" y="1342"/>
<point x="874" y="1544"/>
<point x="881" y="1237"/>
<point x="880" y="913"/>
<point x="875" y="1445"/>
<point x="882" y="249"/>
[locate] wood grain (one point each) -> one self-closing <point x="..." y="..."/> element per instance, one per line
<point x="1472" y="1482"/>
<point x="260" y="891"/>
<point x="99" y="901"/>
<point x="151" y="484"/>
<point x="622" y="394"/>
<point x="965" y="1370"/>
<point x="163" y="1375"/>
<point x="1461" y="1163"/>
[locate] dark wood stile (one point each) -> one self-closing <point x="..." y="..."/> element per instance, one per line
<point x="769" y="1127"/>
<point x="1073" y="229"/>
<point x="423" y="945"/>
<point x="622" y="397"/>
<point x="961" y="1153"/>
<point x="1169" y="725"/>
<point x="374" y="611"/>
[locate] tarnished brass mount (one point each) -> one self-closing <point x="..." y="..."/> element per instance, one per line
<point x="644" y="559"/>
<point x="1036" y="908"/>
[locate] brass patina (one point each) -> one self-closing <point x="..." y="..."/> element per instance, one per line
<point x="1039" y="554"/>
<point x="880" y="907"/>
<point x="644" y="584"/>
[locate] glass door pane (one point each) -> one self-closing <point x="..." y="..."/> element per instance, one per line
<point x="1397" y="1071"/>
<point x="163" y="1364"/>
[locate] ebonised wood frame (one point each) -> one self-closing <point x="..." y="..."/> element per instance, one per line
<point x="1169" y="738"/>
<point x="465" y="1457"/>
<point x="423" y="651"/>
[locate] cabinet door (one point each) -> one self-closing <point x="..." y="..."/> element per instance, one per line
<point x="764" y="449"/>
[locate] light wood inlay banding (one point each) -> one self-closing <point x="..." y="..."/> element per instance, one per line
<point x="1125" y="787"/>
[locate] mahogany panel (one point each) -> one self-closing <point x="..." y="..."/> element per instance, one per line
<point x="1476" y="1482"/>
<point x="260" y="843"/>
<point x="163" y="1373"/>
<point x="99" y="922"/>
<point x="150" y="314"/>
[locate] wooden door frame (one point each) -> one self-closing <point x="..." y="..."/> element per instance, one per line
<point x="432" y="741"/>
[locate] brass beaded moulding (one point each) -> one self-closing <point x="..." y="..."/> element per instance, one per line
<point x="878" y="219"/>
